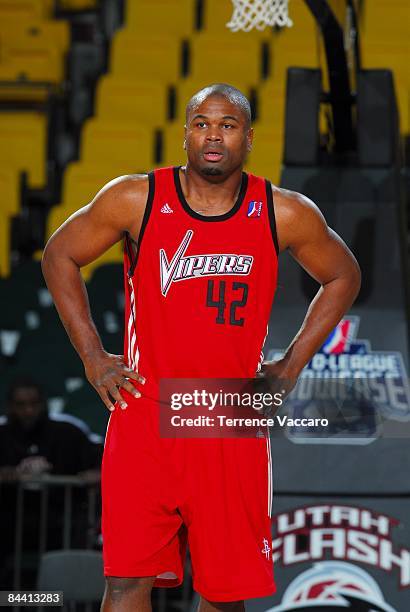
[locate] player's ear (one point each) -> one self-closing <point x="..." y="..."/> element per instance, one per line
<point x="184" y="137"/>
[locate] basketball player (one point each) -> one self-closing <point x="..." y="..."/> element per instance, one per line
<point x="202" y="244"/>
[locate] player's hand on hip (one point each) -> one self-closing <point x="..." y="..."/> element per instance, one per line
<point x="278" y="377"/>
<point x="108" y="374"/>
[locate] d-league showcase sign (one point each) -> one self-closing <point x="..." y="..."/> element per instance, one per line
<point x="355" y="387"/>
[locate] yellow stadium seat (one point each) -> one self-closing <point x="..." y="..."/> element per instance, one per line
<point x="137" y="101"/>
<point x="304" y="55"/>
<point x="266" y="156"/>
<point x="386" y="55"/>
<point x="271" y="101"/>
<point x="169" y="17"/>
<point x="156" y="57"/>
<point x="188" y="87"/>
<point x="9" y="189"/>
<point x="18" y="10"/>
<point x="297" y="45"/>
<point x="9" y="206"/>
<point x="23" y="144"/>
<point x="384" y="22"/>
<point x="304" y="24"/>
<point x="25" y="92"/>
<point x="31" y="64"/>
<point x="78" y="5"/>
<point x="116" y="142"/>
<point x="216" y="15"/>
<point x="81" y="182"/>
<point x="32" y="55"/>
<point x="35" y="34"/>
<point x="224" y="59"/>
<point x="403" y="102"/>
<point x="173" y="151"/>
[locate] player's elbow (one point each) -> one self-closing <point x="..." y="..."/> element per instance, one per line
<point x="48" y="256"/>
<point x="51" y="258"/>
<point x="48" y="262"/>
<point x="354" y="277"/>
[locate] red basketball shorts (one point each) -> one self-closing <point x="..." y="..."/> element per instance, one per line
<point x="161" y="494"/>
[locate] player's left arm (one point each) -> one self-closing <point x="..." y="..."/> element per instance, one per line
<point x="303" y="231"/>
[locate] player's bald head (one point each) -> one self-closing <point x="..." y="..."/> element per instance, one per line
<point x="222" y="90"/>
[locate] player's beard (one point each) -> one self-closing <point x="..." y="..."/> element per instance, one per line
<point x="211" y="171"/>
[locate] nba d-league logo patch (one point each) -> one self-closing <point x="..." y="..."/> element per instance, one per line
<point x="254" y="209"/>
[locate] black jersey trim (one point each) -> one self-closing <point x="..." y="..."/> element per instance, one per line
<point x="210" y="218"/>
<point x="271" y="215"/>
<point x="147" y="212"/>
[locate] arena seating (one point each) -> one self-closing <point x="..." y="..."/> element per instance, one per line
<point x="32" y="56"/>
<point x="33" y="47"/>
<point x="23" y="149"/>
<point x="385" y="44"/>
<point x="171" y="17"/>
<point x="78" y="5"/>
<point x="134" y="101"/>
<point x="23" y="141"/>
<point x="33" y="341"/>
<point x="21" y="10"/>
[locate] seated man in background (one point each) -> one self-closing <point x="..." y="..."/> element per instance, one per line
<point x="33" y="443"/>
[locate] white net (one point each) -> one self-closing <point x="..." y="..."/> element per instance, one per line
<point x="249" y="14"/>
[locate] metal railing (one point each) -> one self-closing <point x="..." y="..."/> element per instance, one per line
<point x="46" y="485"/>
<point x="43" y="484"/>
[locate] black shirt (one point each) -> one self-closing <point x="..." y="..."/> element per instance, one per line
<point x="65" y="446"/>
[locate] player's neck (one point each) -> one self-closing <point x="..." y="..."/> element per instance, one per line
<point x="210" y="197"/>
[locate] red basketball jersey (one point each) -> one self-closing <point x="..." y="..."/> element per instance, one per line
<point x="199" y="289"/>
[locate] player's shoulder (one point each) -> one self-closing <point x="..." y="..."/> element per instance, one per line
<point x="296" y="216"/>
<point x="291" y="201"/>
<point x="121" y="202"/>
<point x="126" y="186"/>
<point x="294" y="206"/>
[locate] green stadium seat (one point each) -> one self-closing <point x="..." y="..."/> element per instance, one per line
<point x="86" y="404"/>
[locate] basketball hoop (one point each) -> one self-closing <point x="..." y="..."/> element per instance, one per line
<point x="249" y="14"/>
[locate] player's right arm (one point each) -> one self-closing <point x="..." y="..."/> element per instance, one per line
<point x="89" y="232"/>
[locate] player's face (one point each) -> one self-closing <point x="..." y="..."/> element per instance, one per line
<point x="217" y="137"/>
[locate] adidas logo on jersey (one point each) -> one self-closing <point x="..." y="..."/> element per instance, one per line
<point x="166" y="209"/>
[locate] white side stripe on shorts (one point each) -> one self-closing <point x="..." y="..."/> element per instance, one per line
<point x="270" y="475"/>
